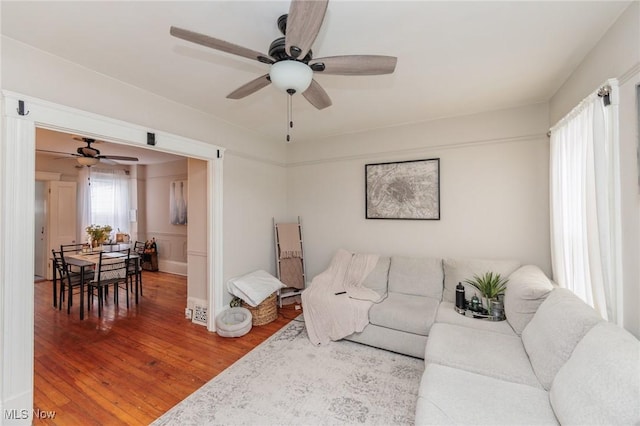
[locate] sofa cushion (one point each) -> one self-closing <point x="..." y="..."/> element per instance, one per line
<point x="447" y="314"/>
<point x="600" y="383"/>
<point x="421" y="276"/>
<point x="527" y="288"/>
<point x="479" y="351"/>
<point x="378" y="277"/>
<point x="413" y="314"/>
<point x="458" y="270"/>
<point x="560" y="323"/>
<point x="452" y="396"/>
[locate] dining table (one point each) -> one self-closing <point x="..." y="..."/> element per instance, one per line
<point x="90" y="260"/>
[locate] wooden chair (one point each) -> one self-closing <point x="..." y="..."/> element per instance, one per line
<point x="110" y="270"/>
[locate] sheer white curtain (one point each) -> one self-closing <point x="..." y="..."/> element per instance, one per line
<point x="103" y="199"/>
<point x="585" y="233"/>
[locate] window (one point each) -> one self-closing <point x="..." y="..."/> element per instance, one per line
<point x="105" y="199"/>
<point x="585" y="213"/>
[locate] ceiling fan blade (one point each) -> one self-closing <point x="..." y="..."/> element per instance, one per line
<point x="56" y="152"/>
<point x="107" y="161"/>
<point x="117" y="157"/>
<point x="251" y="87"/>
<point x="217" y="44"/>
<point x="355" y="64"/>
<point x="316" y="95"/>
<point x="303" y="24"/>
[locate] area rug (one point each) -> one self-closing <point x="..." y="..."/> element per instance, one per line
<point x="286" y="380"/>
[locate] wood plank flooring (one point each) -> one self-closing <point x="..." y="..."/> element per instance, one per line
<point x="130" y="366"/>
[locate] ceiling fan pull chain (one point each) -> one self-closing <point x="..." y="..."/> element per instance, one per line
<point x="289" y="116"/>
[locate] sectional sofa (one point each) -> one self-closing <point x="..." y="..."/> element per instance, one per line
<point x="553" y="361"/>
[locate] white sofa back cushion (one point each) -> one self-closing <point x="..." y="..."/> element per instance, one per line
<point x="560" y="323"/>
<point x="419" y="276"/>
<point x="459" y="270"/>
<point x="600" y="383"/>
<point x="378" y="277"/>
<point x="527" y="288"/>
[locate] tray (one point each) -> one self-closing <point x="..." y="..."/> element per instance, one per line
<point x="478" y="315"/>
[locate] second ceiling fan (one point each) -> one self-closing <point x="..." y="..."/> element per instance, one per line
<point x="291" y="58"/>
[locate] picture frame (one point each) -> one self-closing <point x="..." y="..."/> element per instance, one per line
<point x="178" y="202"/>
<point x="407" y="190"/>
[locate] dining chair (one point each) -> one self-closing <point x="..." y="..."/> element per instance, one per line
<point x="68" y="280"/>
<point x="138" y="248"/>
<point x="71" y="248"/>
<point x="132" y="271"/>
<point x="110" y="270"/>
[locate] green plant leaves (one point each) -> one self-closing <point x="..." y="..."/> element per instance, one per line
<point x="490" y="285"/>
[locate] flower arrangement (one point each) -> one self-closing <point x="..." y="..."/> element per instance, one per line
<point x="98" y="233"/>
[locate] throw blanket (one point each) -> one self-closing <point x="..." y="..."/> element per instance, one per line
<point x="289" y="240"/>
<point x="329" y="316"/>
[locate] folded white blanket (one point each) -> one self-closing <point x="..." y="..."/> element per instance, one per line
<point x="336" y="304"/>
<point x="254" y="287"/>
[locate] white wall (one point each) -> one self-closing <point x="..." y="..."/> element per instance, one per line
<point x="617" y="55"/>
<point x="171" y="239"/>
<point x="494" y="189"/>
<point x="198" y="219"/>
<point x="259" y="195"/>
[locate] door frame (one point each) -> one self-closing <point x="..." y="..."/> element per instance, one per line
<point x="17" y="192"/>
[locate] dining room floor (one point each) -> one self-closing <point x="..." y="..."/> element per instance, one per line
<point x="131" y="365"/>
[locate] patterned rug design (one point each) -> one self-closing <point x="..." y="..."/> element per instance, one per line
<point x="286" y="380"/>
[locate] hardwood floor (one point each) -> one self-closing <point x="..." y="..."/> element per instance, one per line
<point x="130" y="366"/>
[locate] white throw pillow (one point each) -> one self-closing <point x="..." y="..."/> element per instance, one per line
<point x="527" y="288"/>
<point x="254" y="287"/>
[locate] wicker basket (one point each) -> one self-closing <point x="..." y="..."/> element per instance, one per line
<point x="265" y="312"/>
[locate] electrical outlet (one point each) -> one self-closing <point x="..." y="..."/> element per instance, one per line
<point x="188" y="313"/>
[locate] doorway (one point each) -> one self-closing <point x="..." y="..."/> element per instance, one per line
<point x="17" y="242"/>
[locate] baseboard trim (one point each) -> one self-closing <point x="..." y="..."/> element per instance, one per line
<point x="172" y="267"/>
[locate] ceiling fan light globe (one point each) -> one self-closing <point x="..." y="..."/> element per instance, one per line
<point x="291" y="75"/>
<point x="88" y="161"/>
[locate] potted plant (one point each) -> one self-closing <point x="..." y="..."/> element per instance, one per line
<point x="490" y="286"/>
<point x="98" y="233"/>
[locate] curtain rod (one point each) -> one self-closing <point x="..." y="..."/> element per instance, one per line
<point x="603" y="92"/>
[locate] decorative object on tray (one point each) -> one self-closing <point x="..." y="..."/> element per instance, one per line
<point x="98" y="234"/>
<point x="403" y="190"/>
<point x="491" y="287"/>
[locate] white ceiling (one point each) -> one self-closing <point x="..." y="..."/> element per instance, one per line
<point x="454" y="58"/>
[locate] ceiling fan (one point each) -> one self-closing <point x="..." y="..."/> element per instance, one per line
<point x="291" y="58"/>
<point x="90" y="156"/>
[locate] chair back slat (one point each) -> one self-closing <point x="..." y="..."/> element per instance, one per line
<point x="112" y="269"/>
<point x="68" y="248"/>
<point x="59" y="263"/>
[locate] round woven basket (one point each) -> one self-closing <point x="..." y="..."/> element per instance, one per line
<point x="265" y="312"/>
